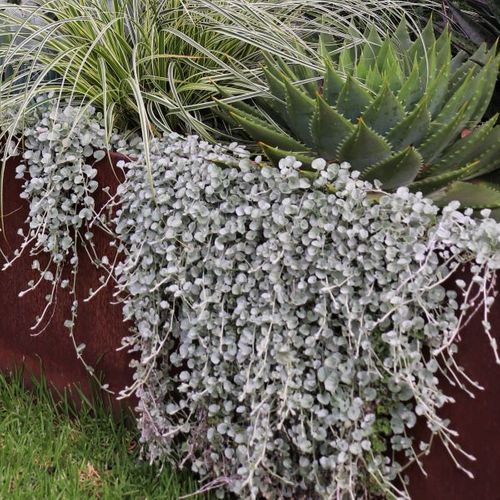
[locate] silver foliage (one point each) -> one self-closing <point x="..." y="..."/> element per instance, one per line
<point x="281" y="328"/>
<point x="60" y="145"/>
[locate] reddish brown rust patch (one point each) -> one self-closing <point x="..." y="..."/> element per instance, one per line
<point x="476" y="420"/>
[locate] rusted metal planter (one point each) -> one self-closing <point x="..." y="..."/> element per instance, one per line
<point x="100" y="326"/>
<point x="476" y="420"/>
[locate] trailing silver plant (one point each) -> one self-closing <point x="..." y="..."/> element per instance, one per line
<point x="60" y="145"/>
<point x="290" y="336"/>
<point x="290" y="330"/>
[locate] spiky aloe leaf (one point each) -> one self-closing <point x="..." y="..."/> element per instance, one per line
<point x="365" y="62"/>
<point x="278" y="90"/>
<point x="428" y="37"/>
<point x="465" y="93"/>
<point x="488" y="76"/>
<point x="347" y="59"/>
<point x="438" y="87"/>
<point x="424" y="42"/>
<point x="476" y="89"/>
<point x="238" y="105"/>
<point x="386" y="53"/>
<point x="443" y="47"/>
<point x="467" y="149"/>
<point x="374" y="79"/>
<point x="436" y="182"/>
<point x="437" y="92"/>
<point x="300" y="108"/>
<point x="364" y="148"/>
<point x="353" y="99"/>
<point x="261" y="131"/>
<point x="442" y="137"/>
<point x="279" y="67"/>
<point x="464" y="64"/>
<point x="457" y="61"/>
<point x="427" y="64"/>
<point x="489" y="159"/>
<point x="329" y="129"/>
<point x="372" y="36"/>
<point x="384" y="112"/>
<point x="332" y="85"/>
<point x="326" y="40"/>
<point x="414" y="103"/>
<point x="412" y="129"/>
<point x="277" y="154"/>
<point x="413" y="88"/>
<point x="274" y="77"/>
<point x="308" y="76"/>
<point x="368" y="54"/>
<point x="475" y="195"/>
<point x="438" y="56"/>
<point x="393" y="74"/>
<point x="402" y="36"/>
<point x="398" y="170"/>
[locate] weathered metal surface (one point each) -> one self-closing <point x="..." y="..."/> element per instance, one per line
<point x="477" y="422"/>
<point x="99" y="325"/>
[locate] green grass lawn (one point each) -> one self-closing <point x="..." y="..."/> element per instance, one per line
<point x="46" y="452"/>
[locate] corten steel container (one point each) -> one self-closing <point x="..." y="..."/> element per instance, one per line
<point x="99" y="324"/>
<point x="476" y="420"/>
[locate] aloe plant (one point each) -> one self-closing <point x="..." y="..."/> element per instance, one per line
<point x="402" y="111"/>
<point x="472" y="23"/>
